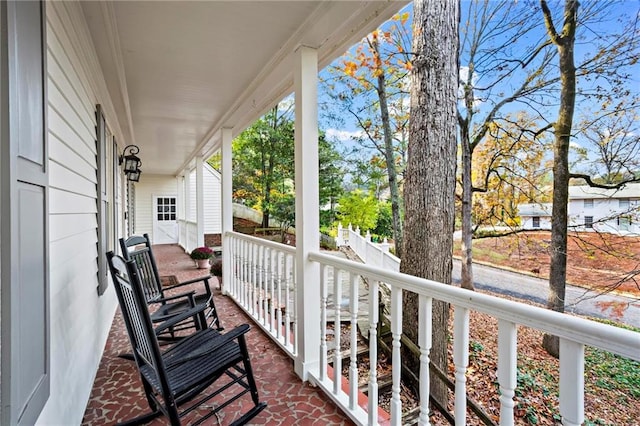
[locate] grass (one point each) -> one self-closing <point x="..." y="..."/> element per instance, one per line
<point x="483" y="253"/>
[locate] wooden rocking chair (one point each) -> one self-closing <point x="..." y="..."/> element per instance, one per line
<point x="175" y="381"/>
<point x="138" y="249"/>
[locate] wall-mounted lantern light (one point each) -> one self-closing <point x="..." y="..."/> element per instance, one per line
<point x="131" y="163"/>
<point x="134" y="176"/>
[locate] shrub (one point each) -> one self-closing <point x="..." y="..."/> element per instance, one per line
<point x="216" y="268"/>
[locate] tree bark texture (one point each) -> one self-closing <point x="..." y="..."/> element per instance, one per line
<point x="431" y="169"/>
<point x="564" y="42"/>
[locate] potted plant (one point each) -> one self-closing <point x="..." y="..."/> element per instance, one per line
<point x="216" y="270"/>
<point x="201" y="255"/>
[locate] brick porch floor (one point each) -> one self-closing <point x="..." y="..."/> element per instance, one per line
<point x="117" y="393"/>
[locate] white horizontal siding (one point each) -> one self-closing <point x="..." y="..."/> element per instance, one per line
<point x="212" y="200"/>
<point x="80" y="319"/>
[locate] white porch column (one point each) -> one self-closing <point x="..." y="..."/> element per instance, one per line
<point x="227" y="202"/>
<point x="180" y="209"/>
<point x="307" y="210"/>
<point x="187" y="196"/>
<point x="199" y="202"/>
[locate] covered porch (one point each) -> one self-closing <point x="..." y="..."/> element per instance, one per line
<point x="117" y="393"/>
<point x="179" y="80"/>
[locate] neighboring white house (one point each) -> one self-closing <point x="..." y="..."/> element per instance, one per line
<point x="535" y="216"/>
<point x="158" y="213"/>
<point x="592" y="209"/>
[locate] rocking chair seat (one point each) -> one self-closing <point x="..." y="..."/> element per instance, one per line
<point x="169" y="310"/>
<point x="193" y="360"/>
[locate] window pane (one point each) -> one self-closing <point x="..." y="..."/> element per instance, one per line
<point x="588" y="221"/>
<point x="160" y="217"/>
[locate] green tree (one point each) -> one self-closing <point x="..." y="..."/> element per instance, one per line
<point x="358" y="209"/>
<point x="263" y="167"/>
<point x="330" y="176"/>
<point x="371" y="85"/>
<point x="263" y="160"/>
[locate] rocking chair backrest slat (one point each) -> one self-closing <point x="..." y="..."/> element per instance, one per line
<point x="134" y="309"/>
<point x="143" y="256"/>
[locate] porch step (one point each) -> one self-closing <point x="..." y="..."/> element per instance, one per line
<point x="384" y="384"/>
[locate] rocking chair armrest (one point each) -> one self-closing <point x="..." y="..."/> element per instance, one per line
<point x="204" y="279"/>
<point x="188" y="294"/>
<point x="176" y="319"/>
<point x="216" y="343"/>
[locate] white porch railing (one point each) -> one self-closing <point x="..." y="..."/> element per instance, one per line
<point x="374" y="254"/>
<point x="263" y="280"/>
<point x="187" y="234"/>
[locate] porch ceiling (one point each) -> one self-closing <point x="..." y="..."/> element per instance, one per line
<point x="179" y="71"/>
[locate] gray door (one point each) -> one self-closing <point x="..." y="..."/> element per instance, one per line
<point x="23" y="214"/>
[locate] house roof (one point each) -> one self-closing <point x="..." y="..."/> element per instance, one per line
<point x="535" y="209"/>
<point x="180" y="71"/>
<point x="630" y="190"/>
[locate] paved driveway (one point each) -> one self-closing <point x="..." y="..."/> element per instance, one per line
<point x="579" y="300"/>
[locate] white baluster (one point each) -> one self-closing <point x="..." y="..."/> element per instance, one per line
<point x="337" y="356"/>
<point x="507" y="370"/>
<point x="280" y="266"/>
<point x="353" y="365"/>
<point x="259" y="282"/>
<point x="265" y="285"/>
<point x="287" y="312"/>
<point x="571" y="382"/>
<point x="324" y="278"/>
<point x="373" y="353"/>
<point x="396" y="359"/>
<point x="243" y="275"/>
<point x="461" y="361"/>
<point x="247" y="269"/>
<point x="424" y="341"/>
<point x="294" y="307"/>
<point x="252" y="279"/>
<point x="273" y="268"/>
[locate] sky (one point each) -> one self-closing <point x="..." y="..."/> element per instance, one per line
<point x="342" y="132"/>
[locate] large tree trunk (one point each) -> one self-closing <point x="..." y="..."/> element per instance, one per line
<point x="431" y="169"/>
<point x="558" y="268"/>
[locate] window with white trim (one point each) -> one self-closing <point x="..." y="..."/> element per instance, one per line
<point x="588" y="222"/>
